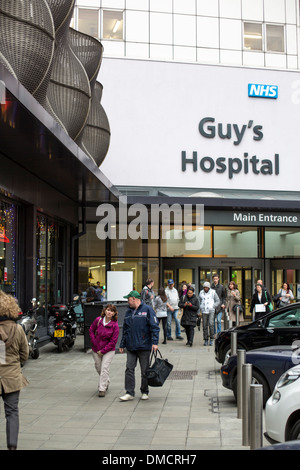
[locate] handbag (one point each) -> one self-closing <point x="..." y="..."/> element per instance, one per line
<point x="158" y="372"/>
<point x="238" y="306"/>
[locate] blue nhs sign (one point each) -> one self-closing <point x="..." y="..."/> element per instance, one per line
<point x="262" y="91"/>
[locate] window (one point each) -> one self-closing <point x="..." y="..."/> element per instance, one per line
<point x="8" y="244"/>
<point x="282" y="243"/>
<point x="235" y="242"/>
<point x="88" y="21"/>
<point x="253" y="36"/>
<point x="275" y="38"/>
<point x="112" y="25"/>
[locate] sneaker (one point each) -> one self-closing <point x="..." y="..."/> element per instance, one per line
<point x="206" y="343"/>
<point x="170" y="338"/>
<point x="101" y="393"/>
<point x="126" y="397"/>
<point x="211" y="342"/>
<point x="179" y="337"/>
<point x="144" y="396"/>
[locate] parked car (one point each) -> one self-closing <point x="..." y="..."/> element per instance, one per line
<point x="282" y="420"/>
<point x="280" y="327"/>
<point x="268" y="364"/>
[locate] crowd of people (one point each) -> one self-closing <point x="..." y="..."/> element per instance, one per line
<point x="140" y="335"/>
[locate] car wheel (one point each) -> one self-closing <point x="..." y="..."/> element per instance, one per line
<point x="257" y="378"/>
<point x="295" y="431"/>
<point x="227" y="352"/>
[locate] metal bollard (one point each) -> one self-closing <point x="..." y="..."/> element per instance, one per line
<point x="237" y="316"/>
<point x="247" y="378"/>
<point x="256" y="416"/>
<point x="241" y="359"/>
<point x="233" y="342"/>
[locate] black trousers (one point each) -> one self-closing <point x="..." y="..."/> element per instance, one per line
<point x="11" y="408"/>
<point x="190" y="331"/>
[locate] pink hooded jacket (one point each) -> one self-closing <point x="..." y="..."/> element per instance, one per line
<point x="104" y="338"/>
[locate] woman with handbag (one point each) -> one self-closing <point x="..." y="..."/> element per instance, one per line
<point x="285" y="295"/>
<point x="260" y="302"/>
<point x="233" y="298"/>
<point x="160" y="306"/>
<point x="190" y="305"/>
<point x="104" y="333"/>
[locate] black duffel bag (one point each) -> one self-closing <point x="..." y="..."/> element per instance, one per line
<point x="158" y="371"/>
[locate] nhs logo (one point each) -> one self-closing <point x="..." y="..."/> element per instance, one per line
<point x="262" y="91"/>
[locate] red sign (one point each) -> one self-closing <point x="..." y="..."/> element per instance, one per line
<point x="3" y="237"/>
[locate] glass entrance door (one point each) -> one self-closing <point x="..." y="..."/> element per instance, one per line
<point x="243" y="278"/>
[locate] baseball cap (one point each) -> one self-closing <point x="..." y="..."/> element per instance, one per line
<point x="132" y="293"/>
<point x="170" y="281"/>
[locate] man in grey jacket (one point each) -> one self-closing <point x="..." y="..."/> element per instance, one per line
<point x="209" y="301"/>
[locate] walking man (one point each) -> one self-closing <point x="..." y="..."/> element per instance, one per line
<point x="172" y="312"/>
<point x="209" y="301"/>
<point x="140" y="336"/>
<point x="220" y="290"/>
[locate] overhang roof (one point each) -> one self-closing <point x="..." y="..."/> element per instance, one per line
<point x="34" y="140"/>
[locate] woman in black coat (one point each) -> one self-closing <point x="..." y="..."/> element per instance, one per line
<point x="190" y="305"/>
<point x="260" y="297"/>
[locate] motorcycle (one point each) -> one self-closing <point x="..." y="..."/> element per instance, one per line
<point x="29" y="323"/>
<point x="62" y="326"/>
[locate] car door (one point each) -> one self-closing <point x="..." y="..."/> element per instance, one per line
<point x="284" y="325"/>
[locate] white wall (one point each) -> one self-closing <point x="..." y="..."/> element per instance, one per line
<point x="154" y="110"/>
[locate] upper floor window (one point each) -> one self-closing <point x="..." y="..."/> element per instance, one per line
<point x="270" y="39"/>
<point x="253" y="36"/>
<point x="112" y="25"/>
<point x="88" y="21"/>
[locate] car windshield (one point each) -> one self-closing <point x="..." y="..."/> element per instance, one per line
<point x="287" y="319"/>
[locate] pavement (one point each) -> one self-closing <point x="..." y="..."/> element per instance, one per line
<point x="60" y="408"/>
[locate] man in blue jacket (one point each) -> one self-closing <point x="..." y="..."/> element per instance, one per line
<point x="140" y="337"/>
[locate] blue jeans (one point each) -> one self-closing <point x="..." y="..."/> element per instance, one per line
<point x="169" y="324"/>
<point x="219" y="324"/>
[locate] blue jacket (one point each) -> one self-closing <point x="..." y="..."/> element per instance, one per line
<point x="140" y="329"/>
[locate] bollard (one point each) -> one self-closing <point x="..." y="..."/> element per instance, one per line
<point x="233" y="344"/>
<point x="241" y="359"/>
<point x="256" y="416"/>
<point x="247" y="378"/>
<point x="237" y="316"/>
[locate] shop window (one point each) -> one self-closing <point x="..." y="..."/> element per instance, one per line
<point x="235" y="242"/>
<point x="253" y="36"/>
<point x="8" y="243"/>
<point x="280" y="243"/>
<point x="88" y="21"/>
<point x="46" y="256"/>
<point x="275" y="38"/>
<point x="112" y="24"/>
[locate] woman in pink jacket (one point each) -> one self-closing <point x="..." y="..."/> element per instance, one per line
<point x="104" y="333"/>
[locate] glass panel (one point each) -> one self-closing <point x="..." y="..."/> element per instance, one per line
<point x="51" y="263"/>
<point x="277" y="280"/>
<point x="8" y="241"/>
<point x="275" y="38"/>
<point x="288" y="319"/>
<point x="112" y="25"/>
<point x="176" y="242"/>
<point x="88" y="22"/>
<point x="142" y="270"/>
<point x="253" y="36"/>
<point x="280" y="243"/>
<point x="90" y="244"/>
<point x="91" y="271"/>
<point x="235" y="242"/>
<point x="186" y="276"/>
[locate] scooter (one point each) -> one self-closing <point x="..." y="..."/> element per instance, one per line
<point x="62" y="326"/>
<point x="29" y="323"/>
